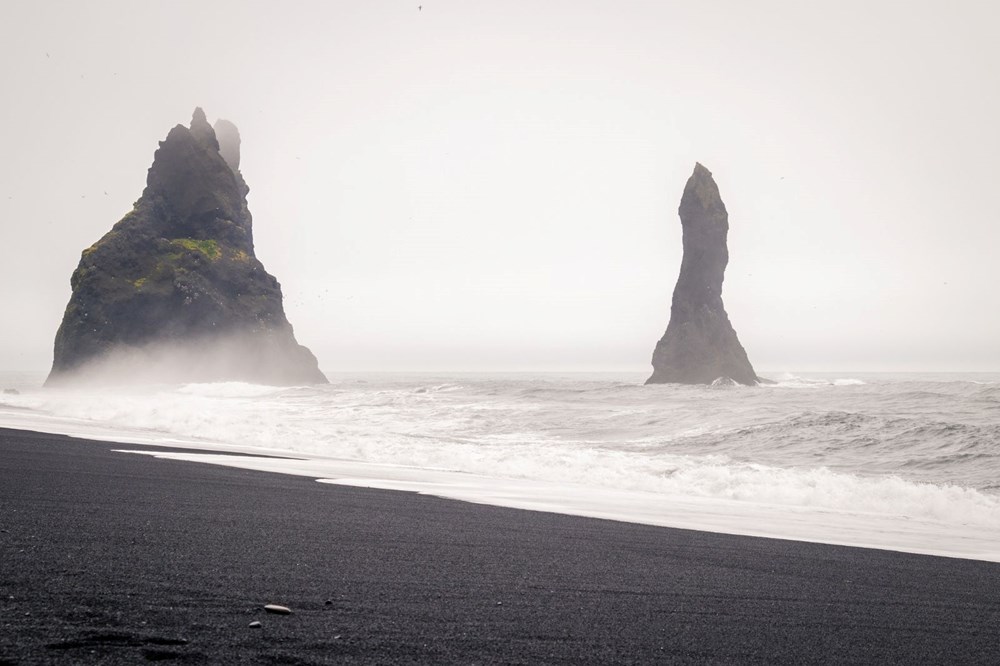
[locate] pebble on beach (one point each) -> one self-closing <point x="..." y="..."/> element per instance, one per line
<point x="279" y="610"/>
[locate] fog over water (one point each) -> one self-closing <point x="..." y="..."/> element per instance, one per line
<point x="494" y="185"/>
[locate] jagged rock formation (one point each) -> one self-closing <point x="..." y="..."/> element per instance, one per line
<point x="700" y="344"/>
<point x="174" y="291"/>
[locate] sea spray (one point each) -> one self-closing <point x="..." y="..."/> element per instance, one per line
<point x="917" y="448"/>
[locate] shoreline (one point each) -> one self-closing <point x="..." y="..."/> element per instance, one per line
<point x="119" y="558"/>
<point x="814" y="524"/>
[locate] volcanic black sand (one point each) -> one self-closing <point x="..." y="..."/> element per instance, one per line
<point x="120" y="558"/>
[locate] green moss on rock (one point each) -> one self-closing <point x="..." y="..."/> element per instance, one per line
<point x="209" y="248"/>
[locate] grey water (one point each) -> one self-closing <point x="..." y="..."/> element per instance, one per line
<point x="918" y="445"/>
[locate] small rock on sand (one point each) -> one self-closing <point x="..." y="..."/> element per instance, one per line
<point x="279" y="610"/>
<point x="255" y="625"/>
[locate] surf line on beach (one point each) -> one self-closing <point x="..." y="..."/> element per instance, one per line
<point x="845" y="528"/>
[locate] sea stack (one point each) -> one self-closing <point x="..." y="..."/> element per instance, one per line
<point x="700" y="345"/>
<point x="174" y="292"/>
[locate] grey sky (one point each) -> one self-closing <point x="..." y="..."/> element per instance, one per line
<point x="494" y="185"/>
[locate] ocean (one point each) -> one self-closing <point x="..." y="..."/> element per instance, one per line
<point x="906" y="462"/>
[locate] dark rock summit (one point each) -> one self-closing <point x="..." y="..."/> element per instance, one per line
<point x="700" y="345"/>
<point x="174" y="291"/>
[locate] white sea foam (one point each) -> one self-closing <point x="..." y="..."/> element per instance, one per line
<point x="872" y="453"/>
<point x="853" y="528"/>
<point x="230" y="390"/>
<point x="789" y="380"/>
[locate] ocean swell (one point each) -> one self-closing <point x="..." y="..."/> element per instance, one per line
<point x="849" y="446"/>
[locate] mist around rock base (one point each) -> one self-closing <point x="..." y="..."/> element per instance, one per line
<point x="243" y="357"/>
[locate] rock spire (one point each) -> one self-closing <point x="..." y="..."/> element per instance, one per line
<point x="174" y="292"/>
<point x="700" y="345"/>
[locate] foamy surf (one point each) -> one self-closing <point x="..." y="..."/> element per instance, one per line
<point x="751" y="518"/>
<point x="854" y="461"/>
<point x="789" y="380"/>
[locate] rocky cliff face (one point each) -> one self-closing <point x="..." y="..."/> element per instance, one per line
<point x="174" y="291"/>
<point x="700" y="344"/>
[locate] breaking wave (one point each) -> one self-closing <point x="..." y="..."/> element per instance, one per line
<point x="846" y="444"/>
<point x="905" y="462"/>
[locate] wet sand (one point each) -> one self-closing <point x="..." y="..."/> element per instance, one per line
<point x="109" y="557"/>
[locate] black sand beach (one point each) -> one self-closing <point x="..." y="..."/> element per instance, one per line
<point x="116" y="558"/>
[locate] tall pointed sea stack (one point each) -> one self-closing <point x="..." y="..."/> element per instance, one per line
<point x="174" y="291"/>
<point x="700" y="344"/>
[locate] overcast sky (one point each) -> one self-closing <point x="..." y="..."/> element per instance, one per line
<point x="494" y="185"/>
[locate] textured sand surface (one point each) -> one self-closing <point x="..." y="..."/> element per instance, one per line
<point x="114" y="558"/>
